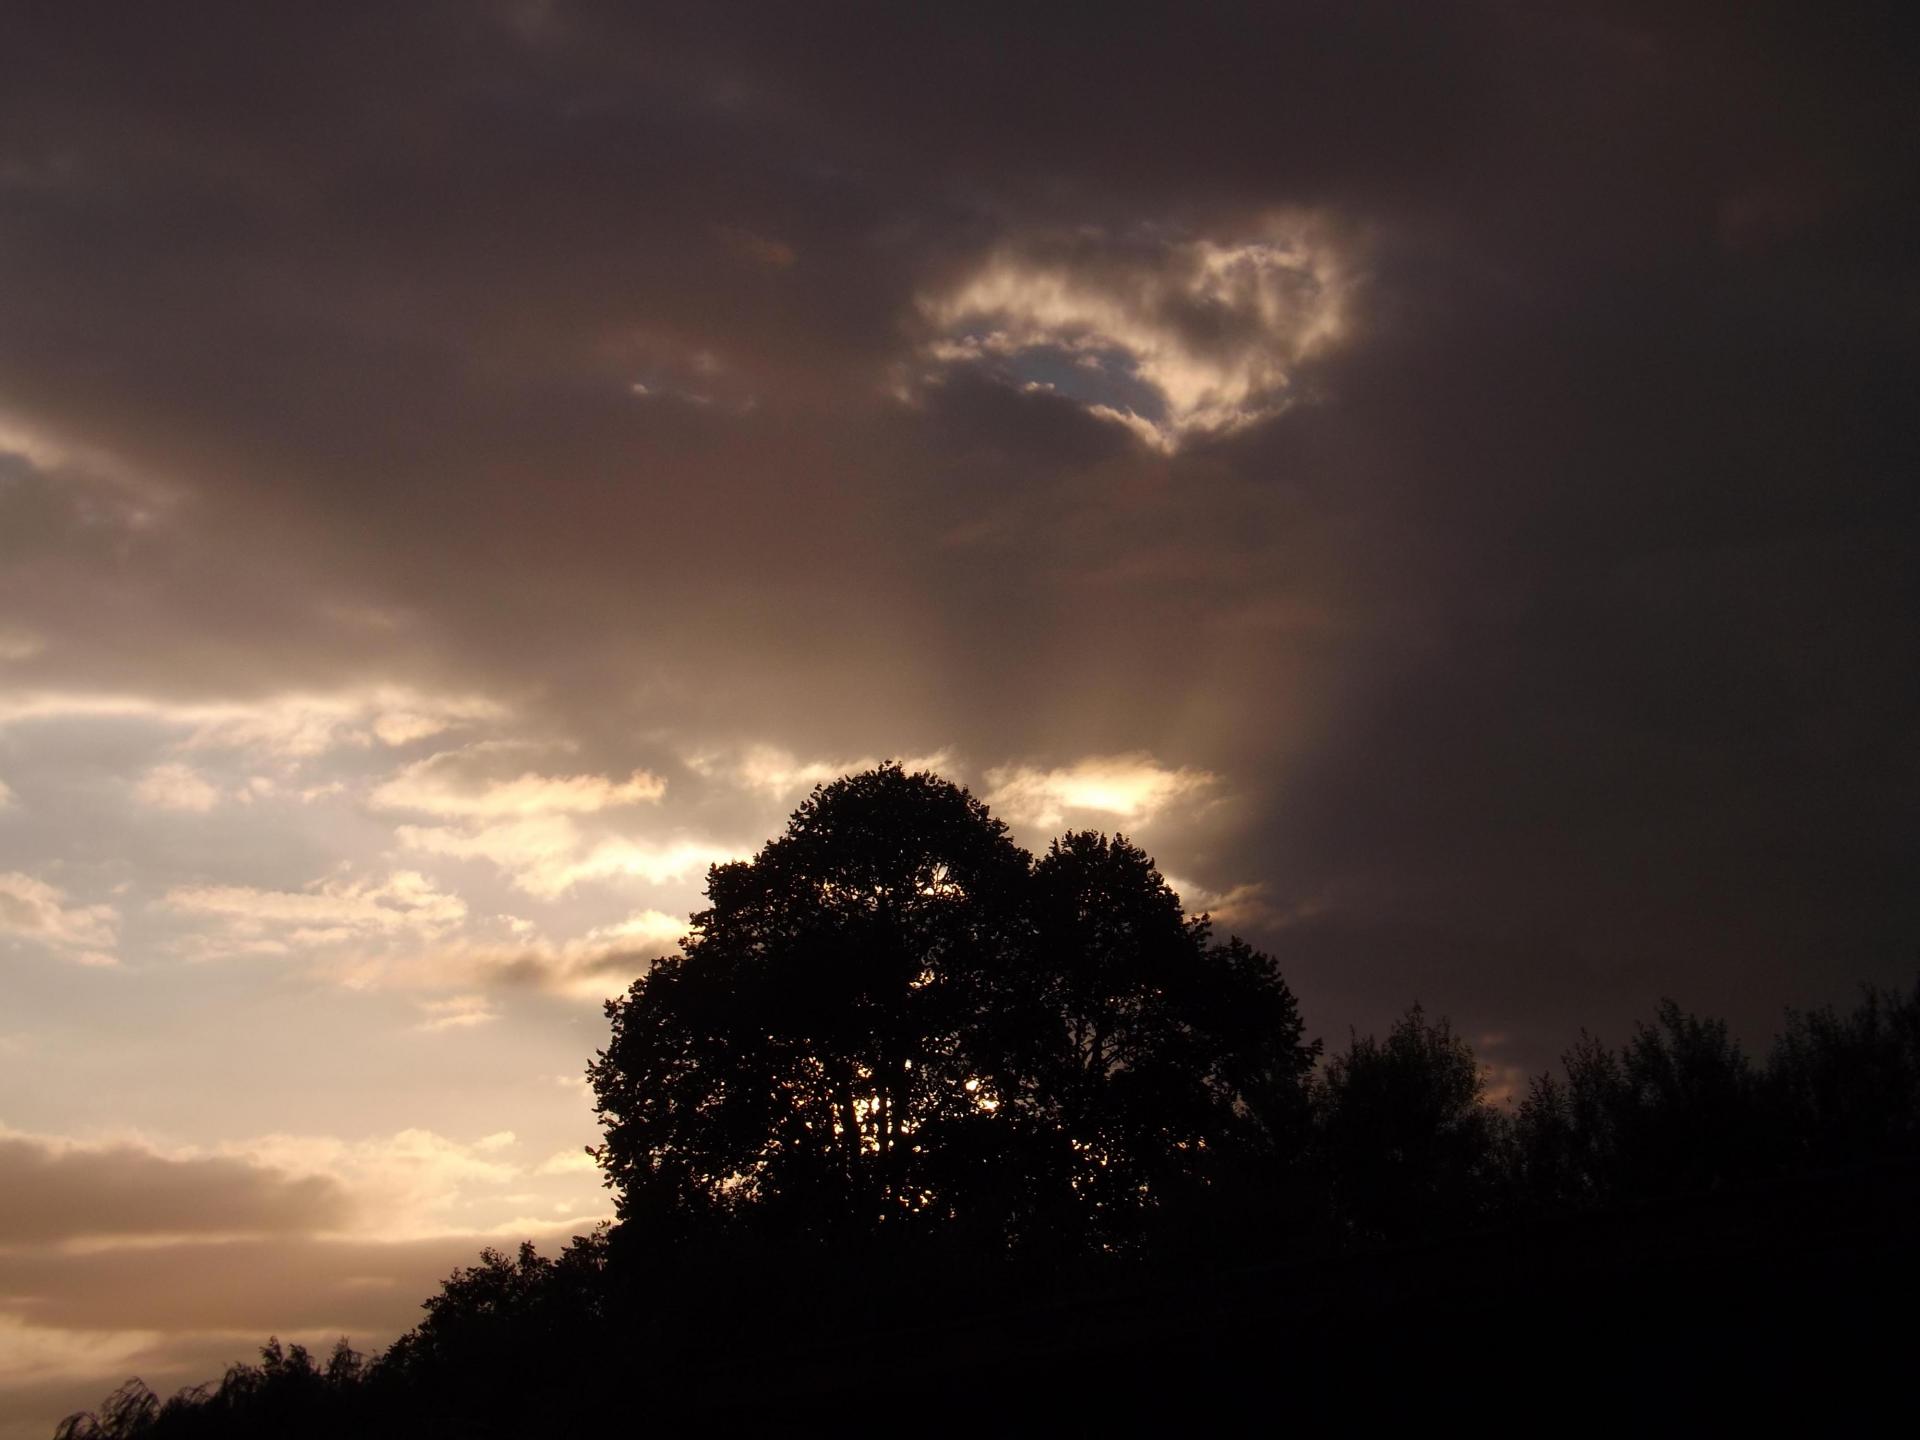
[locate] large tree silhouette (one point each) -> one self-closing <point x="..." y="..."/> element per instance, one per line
<point x="893" y="1020"/>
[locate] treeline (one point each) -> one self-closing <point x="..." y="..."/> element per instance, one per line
<point x="915" y="1113"/>
<point x="1404" y="1148"/>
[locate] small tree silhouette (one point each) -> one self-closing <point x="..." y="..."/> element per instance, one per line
<point x="1410" y="1148"/>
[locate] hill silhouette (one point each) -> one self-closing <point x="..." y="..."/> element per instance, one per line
<point x="919" y="1130"/>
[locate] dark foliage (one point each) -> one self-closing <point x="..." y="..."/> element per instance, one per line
<point x="893" y="1022"/>
<point x="1410" y="1148"/>
<point x="911" y="1107"/>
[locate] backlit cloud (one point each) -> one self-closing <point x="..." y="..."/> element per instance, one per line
<point x="457" y="1012"/>
<point x="36" y="911"/>
<point x="778" y="773"/>
<point x="274" y="921"/>
<point x="1133" y="787"/>
<point x="445" y="785"/>
<point x="177" y="787"/>
<point x="290" y="727"/>
<point x="1172" y="335"/>
<point x="549" y="855"/>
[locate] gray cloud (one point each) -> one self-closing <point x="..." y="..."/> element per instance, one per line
<point x="52" y="1193"/>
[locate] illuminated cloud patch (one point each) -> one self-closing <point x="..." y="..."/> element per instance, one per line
<point x="37" y="912"/>
<point x="779" y="773"/>
<point x="1172" y="335"/>
<point x="594" y="966"/>
<point x="446" y="785"/>
<point x="1250" y="905"/>
<point x="457" y="1012"/>
<point x="547" y="856"/>
<point x="290" y="727"/>
<point x="177" y="787"/>
<point x="1133" y="787"/>
<point x="277" y="921"/>
<point x="122" y="1256"/>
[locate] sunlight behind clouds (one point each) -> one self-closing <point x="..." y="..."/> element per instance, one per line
<point x="1133" y="787"/>
<point x="1171" y="335"/>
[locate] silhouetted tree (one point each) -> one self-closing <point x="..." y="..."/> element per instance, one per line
<point x="1172" y="1063"/>
<point x="825" y="1037"/>
<point x="892" y="1021"/>
<point x="1843" y="1089"/>
<point x="1679" y="1108"/>
<point x="1410" y="1147"/>
<point x="488" y="1318"/>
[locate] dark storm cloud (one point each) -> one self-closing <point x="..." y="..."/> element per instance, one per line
<point x="1554" y="644"/>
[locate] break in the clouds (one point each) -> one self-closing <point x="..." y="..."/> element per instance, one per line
<point x="1436" y="476"/>
<point x="1171" y="335"/>
<point x="1101" y="789"/>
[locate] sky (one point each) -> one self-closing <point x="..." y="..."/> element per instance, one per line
<point x="1433" y="475"/>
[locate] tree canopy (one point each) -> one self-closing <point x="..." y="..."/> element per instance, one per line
<point x="893" y="1019"/>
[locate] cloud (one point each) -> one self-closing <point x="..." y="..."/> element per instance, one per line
<point x="444" y="785"/>
<point x="176" y="787"/>
<point x="34" y="910"/>
<point x="1247" y="906"/>
<point x="54" y="1191"/>
<point x="122" y="1257"/>
<point x="18" y="643"/>
<point x="754" y="249"/>
<point x="457" y="1012"/>
<point x="594" y="965"/>
<point x="1172" y="335"/>
<point x="292" y="726"/>
<point x="1133" y="787"/>
<point x="547" y="856"/>
<point x="404" y="904"/>
<point x="6" y="795"/>
<point x="777" y="772"/>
